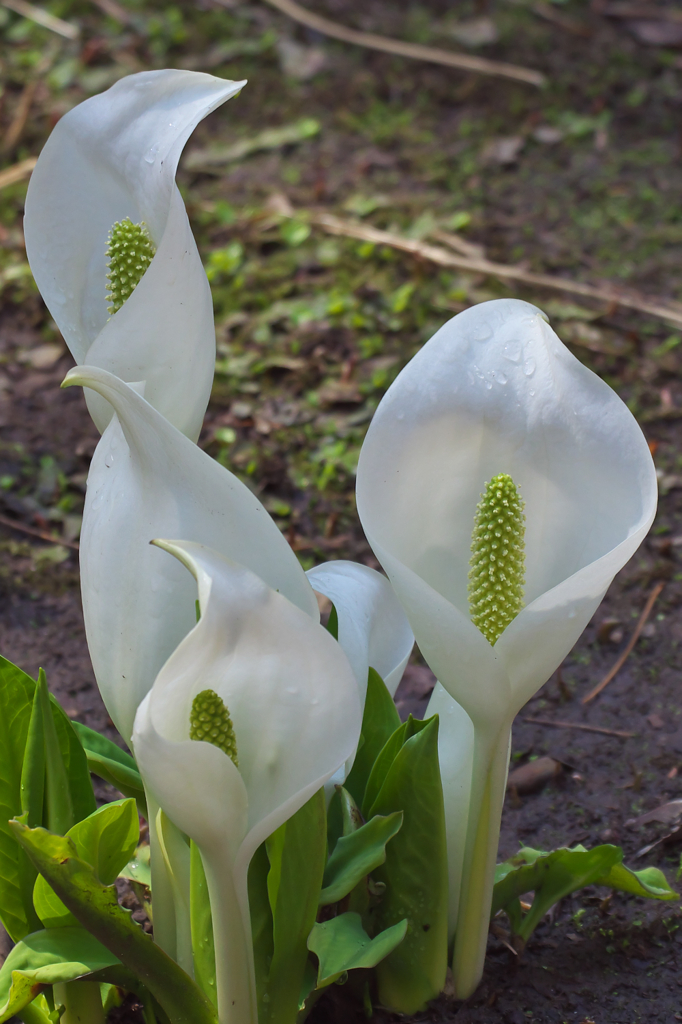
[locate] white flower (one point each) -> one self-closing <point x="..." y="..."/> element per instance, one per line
<point x="113" y="157"/>
<point x="495" y="391"/>
<point x="293" y="712"/>
<point x="148" y="480"/>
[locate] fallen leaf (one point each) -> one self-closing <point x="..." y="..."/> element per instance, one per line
<point x="534" y="775"/>
<point x="475" y="32"/>
<point x="655" y="721"/>
<point x="656" y="33"/>
<point x="503" y="150"/>
<point x="298" y="61"/>
<point x="667" y="814"/>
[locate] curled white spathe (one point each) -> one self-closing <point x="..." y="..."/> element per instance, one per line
<point x="294" y="704"/>
<point x="115" y="156"/>
<point x="148" y="480"/>
<point x="373" y="628"/>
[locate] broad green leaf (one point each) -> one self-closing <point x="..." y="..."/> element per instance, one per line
<point x="95" y="743"/>
<point x="17" y="874"/>
<point x="415" y="875"/>
<point x="333" y="623"/>
<point x="385" y="759"/>
<point x="379" y="721"/>
<point x="343" y="816"/>
<point x="46" y="958"/>
<point x="106" y="841"/>
<point x="551" y="876"/>
<point x="261" y="918"/>
<point x="649" y="882"/>
<point x="138" y="869"/>
<point x="356" y="854"/>
<point x="96" y="908"/>
<point x="297" y="852"/>
<point x="342" y="945"/>
<point x="201" y="921"/>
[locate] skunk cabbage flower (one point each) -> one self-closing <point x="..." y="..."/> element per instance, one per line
<point x="372" y="627"/>
<point x="495" y="392"/>
<point x="248" y="718"/>
<point x="107" y="175"/>
<point x="148" y="480"/>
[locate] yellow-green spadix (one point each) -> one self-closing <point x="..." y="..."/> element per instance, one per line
<point x="495" y="391"/>
<point x="288" y="691"/>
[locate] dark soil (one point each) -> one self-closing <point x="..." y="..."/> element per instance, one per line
<point x="296" y="387"/>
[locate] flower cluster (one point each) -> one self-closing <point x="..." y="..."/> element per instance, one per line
<point x="246" y="723"/>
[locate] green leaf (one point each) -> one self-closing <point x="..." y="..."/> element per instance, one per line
<point x="261" y="918"/>
<point x="95" y="743"/>
<point x="385" y="759"/>
<point x="17" y="874"/>
<point x="126" y="780"/>
<point x="138" y="869"/>
<point x="551" y="876"/>
<point x="58" y="803"/>
<point x="356" y="855"/>
<point x="333" y="623"/>
<point x="379" y="721"/>
<point x="649" y="882"/>
<point x="342" y="945"/>
<point x="78" y="774"/>
<point x="33" y="768"/>
<point x="46" y="958"/>
<point x="96" y="908"/>
<point x="297" y="852"/>
<point x="105" y="840"/>
<point x="201" y="919"/>
<point x="415" y="874"/>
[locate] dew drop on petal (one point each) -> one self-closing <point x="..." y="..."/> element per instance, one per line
<point x="501" y="378"/>
<point x="529" y="367"/>
<point x="512" y="351"/>
<point x="97" y="503"/>
<point x="482" y="332"/>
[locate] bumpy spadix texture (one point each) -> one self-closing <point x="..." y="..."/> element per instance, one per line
<point x="497" y="569"/>
<point x="130" y="250"/>
<point x="209" y="720"/>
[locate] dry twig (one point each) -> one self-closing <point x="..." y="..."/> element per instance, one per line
<point x="641" y="622"/>
<point x="580" y="725"/>
<point x="20" y="118"/>
<point x="42" y="17"/>
<point x="17" y="172"/>
<point x="463" y="61"/>
<point x="672" y="312"/>
<point x="14" y="524"/>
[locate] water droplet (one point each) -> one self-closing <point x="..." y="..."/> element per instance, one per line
<point x="571" y="614"/>
<point x="151" y="154"/>
<point x="482" y="332"/>
<point x="501" y="378"/>
<point x="97" y="503"/>
<point x="529" y="367"/>
<point x="400" y="416"/>
<point x="489" y="384"/>
<point x="532" y="392"/>
<point x="512" y="351"/>
<point x="108" y="460"/>
<point x="293" y="690"/>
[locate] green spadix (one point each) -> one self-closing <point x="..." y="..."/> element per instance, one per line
<point x="210" y="721"/>
<point x="130" y="250"/>
<point x="497" y="572"/>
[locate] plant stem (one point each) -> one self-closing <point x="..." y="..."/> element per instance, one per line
<point x="163" y="905"/>
<point x="235" y="972"/>
<point x="83" y="1002"/>
<point x="32" y="1014"/>
<point x="483" y="830"/>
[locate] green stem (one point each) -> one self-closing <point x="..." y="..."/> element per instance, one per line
<point x="83" y="1002"/>
<point x="176" y="854"/>
<point x="489" y="779"/>
<point x="235" y="972"/>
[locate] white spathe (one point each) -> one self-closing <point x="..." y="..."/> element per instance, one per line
<point x="294" y="705"/>
<point x="495" y="391"/>
<point x="115" y="156"/>
<point x="148" y="480"/>
<point x="373" y="628"/>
